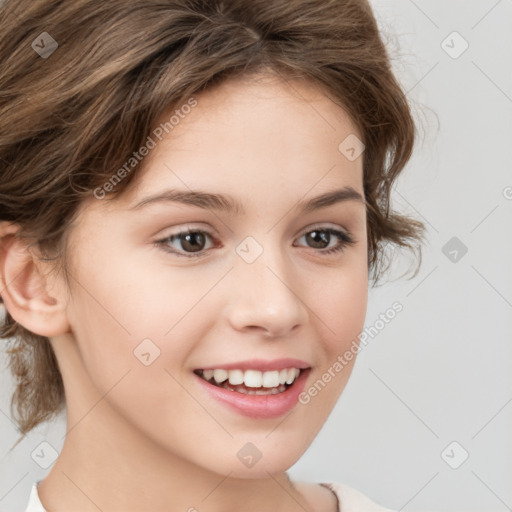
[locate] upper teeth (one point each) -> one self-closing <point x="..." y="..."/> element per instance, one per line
<point x="253" y="378"/>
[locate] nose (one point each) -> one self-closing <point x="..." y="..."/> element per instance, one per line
<point x="266" y="296"/>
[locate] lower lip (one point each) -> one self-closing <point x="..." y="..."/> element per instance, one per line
<point x="259" y="406"/>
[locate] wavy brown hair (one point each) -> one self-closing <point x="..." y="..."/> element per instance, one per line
<point x="68" y="120"/>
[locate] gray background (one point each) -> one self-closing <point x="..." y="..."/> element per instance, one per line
<point x="440" y="372"/>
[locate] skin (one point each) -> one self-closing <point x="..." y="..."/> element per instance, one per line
<point x="148" y="437"/>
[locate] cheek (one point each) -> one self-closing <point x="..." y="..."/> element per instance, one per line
<point x="122" y="319"/>
<point x="341" y="311"/>
<point x="138" y="374"/>
<point x="102" y="338"/>
<point x="339" y="301"/>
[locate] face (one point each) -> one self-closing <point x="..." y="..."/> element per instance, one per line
<point x="161" y="288"/>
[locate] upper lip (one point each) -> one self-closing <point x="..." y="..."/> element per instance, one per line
<point x="260" y="364"/>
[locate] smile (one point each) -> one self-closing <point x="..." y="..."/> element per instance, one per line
<point x="251" y="382"/>
<point x="254" y="393"/>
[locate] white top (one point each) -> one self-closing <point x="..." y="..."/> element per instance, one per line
<point x="349" y="500"/>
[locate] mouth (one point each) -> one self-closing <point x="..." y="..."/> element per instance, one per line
<point x="259" y="389"/>
<point x="252" y="382"/>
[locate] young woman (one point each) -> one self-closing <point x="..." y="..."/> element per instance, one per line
<point x="194" y="198"/>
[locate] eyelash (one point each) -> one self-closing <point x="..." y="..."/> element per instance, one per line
<point x="345" y="237"/>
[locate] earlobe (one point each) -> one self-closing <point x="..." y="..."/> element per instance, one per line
<point x="23" y="287"/>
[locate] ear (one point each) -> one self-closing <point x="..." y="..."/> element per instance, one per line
<point x="24" y="287"/>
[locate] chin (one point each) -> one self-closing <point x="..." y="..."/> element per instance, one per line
<point x="252" y="461"/>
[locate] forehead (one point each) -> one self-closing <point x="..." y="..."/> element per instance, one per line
<point x="265" y="101"/>
<point x="262" y="141"/>
<point x="252" y="129"/>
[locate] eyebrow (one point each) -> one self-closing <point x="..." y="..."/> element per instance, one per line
<point x="228" y="204"/>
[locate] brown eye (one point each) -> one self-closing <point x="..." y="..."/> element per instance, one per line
<point x="318" y="239"/>
<point x="321" y="238"/>
<point x="192" y="242"/>
<point x="187" y="243"/>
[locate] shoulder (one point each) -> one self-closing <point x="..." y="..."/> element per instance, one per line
<point x="34" y="503"/>
<point x="351" y="500"/>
